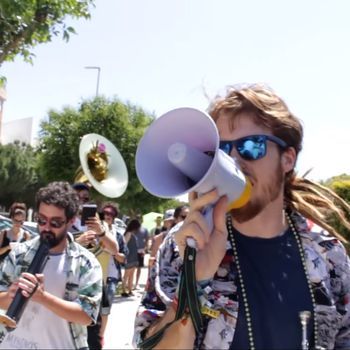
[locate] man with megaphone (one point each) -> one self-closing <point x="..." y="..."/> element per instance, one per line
<point x="260" y="276"/>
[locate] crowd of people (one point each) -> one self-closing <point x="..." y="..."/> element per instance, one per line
<point x="273" y="274"/>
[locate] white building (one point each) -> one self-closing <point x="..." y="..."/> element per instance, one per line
<point x="18" y="129"/>
<point x="14" y="130"/>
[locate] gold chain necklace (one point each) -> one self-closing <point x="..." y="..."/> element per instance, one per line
<point x="241" y="280"/>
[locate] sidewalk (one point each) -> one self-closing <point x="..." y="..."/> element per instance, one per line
<point x="120" y="326"/>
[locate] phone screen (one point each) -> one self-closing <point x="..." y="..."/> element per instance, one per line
<point x="89" y="210"/>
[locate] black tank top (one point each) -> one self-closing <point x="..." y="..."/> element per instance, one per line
<point x="6" y="242"/>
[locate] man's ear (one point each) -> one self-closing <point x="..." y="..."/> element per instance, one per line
<point x="289" y="157"/>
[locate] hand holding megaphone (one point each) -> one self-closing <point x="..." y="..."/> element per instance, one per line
<point x="179" y="153"/>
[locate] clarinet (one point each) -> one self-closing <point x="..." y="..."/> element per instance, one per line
<point x="19" y="302"/>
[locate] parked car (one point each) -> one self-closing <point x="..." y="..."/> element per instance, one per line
<point x="5" y="223"/>
<point x="31" y="227"/>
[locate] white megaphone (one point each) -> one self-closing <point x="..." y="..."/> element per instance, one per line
<point x="179" y="153"/>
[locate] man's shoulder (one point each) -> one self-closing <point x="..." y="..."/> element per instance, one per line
<point x="78" y="252"/>
<point x="315" y="236"/>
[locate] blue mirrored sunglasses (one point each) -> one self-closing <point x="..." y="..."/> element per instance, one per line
<point x="251" y="147"/>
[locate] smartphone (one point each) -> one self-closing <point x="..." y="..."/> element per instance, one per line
<point x="89" y="210"/>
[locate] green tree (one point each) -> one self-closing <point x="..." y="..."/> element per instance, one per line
<point x="27" y="23"/>
<point x="341" y="186"/>
<point x="18" y="174"/>
<point x="122" y="123"/>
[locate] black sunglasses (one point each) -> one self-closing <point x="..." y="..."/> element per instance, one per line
<point x="54" y="223"/>
<point x="251" y="147"/>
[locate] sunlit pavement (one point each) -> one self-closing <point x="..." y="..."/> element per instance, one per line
<point x="120" y="325"/>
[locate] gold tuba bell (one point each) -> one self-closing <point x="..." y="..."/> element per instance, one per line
<point x="101" y="165"/>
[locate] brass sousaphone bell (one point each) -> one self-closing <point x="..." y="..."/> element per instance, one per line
<point x="102" y="165"/>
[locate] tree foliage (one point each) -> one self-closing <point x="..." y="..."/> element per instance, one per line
<point x="18" y="174"/>
<point x="122" y="123"/>
<point x="341" y="186"/>
<point x="27" y="23"/>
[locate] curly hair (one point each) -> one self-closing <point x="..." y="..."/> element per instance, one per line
<point x="310" y="199"/>
<point x="61" y="195"/>
<point x="111" y="206"/>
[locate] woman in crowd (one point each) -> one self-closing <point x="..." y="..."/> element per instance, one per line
<point x="131" y="258"/>
<point x="16" y="233"/>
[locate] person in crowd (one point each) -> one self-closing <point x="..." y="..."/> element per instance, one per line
<point x="16" y="234"/>
<point x="172" y="218"/>
<point x="180" y="214"/>
<point x="65" y="297"/>
<point x="96" y="237"/>
<point x="132" y="258"/>
<point x="94" y="234"/>
<point x="168" y="223"/>
<point x="157" y="229"/>
<point x="142" y="238"/>
<point x="261" y="267"/>
<point x="113" y="271"/>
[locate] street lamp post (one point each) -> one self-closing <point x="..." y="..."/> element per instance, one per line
<point x="98" y="76"/>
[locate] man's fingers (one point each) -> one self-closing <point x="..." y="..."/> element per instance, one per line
<point x="204" y="200"/>
<point x="190" y="230"/>
<point x="219" y="214"/>
<point x="198" y="219"/>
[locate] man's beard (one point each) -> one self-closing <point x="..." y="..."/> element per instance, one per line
<point x="52" y="239"/>
<point x="270" y="192"/>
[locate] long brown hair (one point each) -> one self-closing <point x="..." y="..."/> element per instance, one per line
<point x="310" y="199"/>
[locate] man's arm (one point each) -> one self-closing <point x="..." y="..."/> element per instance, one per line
<point x="180" y="335"/>
<point x="160" y="292"/>
<point x="68" y="310"/>
<point x="103" y="235"/>
<point x="342" y="271"/>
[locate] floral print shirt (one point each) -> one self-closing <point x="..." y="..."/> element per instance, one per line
<point x="83" y="286"/>
<point x="328" y="268"/>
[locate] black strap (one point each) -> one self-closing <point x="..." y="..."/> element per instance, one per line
<point x="188" y="299"/>
<point x="191" y="288"/>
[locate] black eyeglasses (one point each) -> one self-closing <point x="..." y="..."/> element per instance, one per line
<point x="54" y="223"/>
<point x="19" y="222"/>
<point x="251" y="147"/>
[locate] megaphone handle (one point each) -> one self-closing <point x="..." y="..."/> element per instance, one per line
<point x="208" y="214"/>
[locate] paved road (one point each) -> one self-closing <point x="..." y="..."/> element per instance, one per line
<point x="120" y="325"/>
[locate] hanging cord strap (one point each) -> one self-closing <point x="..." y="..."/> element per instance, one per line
<point x="188" y="301"/>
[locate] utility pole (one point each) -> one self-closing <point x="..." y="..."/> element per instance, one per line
<point x="98" y="76"/>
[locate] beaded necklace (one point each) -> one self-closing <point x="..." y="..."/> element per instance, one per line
<point x="241" y="280"/>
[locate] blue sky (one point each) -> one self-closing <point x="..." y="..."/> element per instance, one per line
<point x="164" y="54"/>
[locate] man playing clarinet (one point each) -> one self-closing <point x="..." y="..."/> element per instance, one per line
<point x="65" y="297"/>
